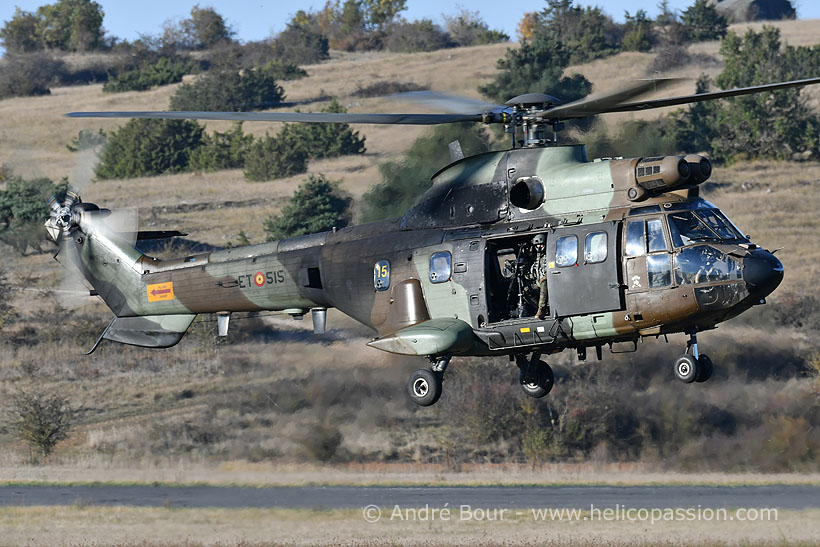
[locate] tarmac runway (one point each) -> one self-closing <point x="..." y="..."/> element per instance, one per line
<point x="338" y="497"/>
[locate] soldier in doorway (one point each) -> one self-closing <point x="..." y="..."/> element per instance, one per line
<point x="539" y="273"/>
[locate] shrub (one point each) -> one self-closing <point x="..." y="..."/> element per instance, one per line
<point x="777" y="125"/>
<point x="165" y="71"/>
<point x="222" y="150"/>
<point x="585" y="34"/>
<point x="324" y="140"/>
<point x="536" y="67"/>
<point x="701" y="22"/>
<point x="410" y="37"/>
<point x="19" y="35"/>
<point x="468" y="29"/>
<point x="41" y="420"/>
<point x="23" y="209"/>
<point x="385" y="87"/>
<point x="300" y="45"/>
<point x="206" y="27"/>
<point x="638" y="32"/>
<point x="317" y="205"/>
<point x="71" y="25"/>
<point x="404" y="181"/>
<point x="30" y="74"/>
<point x="227" y="90"/>
<point x="272" y="158"/>
<point x="6" y="309"/>
<point x="144" y="147"/>
<point x="282" y="70"/>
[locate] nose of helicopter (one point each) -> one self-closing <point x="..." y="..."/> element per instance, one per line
<point x="762" y="272"/>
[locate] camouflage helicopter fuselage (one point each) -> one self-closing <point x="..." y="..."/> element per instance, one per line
<point x="433" y="283"/>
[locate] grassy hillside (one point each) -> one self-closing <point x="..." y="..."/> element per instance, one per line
<point x="273" y="393"/>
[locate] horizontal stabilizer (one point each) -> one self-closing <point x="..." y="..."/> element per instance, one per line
<point x="150" y="331"/>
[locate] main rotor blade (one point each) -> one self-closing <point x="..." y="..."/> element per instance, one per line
<point x="598" y="103"/>
<point x="686" y="99"/>
<point x="453" y="104"/>
<point x="310" y="117"/>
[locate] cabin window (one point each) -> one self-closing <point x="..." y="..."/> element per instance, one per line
<point x="635" y="241"/>
<point x="566" y="251"/>
<point x="381" y="275"/>
<point x="595" y="247"/>
<point x="654" y="235"/>
<point x="440" y="267"/>
<point x="659" y="270"/>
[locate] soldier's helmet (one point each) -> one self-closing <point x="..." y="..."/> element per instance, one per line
<point x="539" y="239"/>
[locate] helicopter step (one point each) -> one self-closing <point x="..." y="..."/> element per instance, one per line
<point x="691" y="366"/>
<point x="536" y="377"/>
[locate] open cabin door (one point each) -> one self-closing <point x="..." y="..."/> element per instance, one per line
<point x="583" y="270"/>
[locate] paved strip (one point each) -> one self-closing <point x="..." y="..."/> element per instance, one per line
<point x="336" y="497"/>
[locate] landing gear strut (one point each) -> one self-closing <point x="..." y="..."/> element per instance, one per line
<point x="536" y="377"/>
<point x="424" y="385"/>
<point x="691" y="366"/>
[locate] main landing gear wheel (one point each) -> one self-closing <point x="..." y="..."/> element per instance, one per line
<point x="539" y="384"/>
<point x="686" y="369"/>
<point x="704" y="368"/>
<point x="424" y="387"/>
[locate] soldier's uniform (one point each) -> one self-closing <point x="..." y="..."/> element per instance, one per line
<point x="539" y="273"/>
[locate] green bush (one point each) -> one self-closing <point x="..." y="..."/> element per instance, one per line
<point x="165" y="71"/>
<point x="271" y="158"/>
<point x="324" y="140"/>
<point x="144" y="147"/>
<point x="70" y="25"/>
<point x="23" y="209"/>
<point x="300" y="45"/>
<point x="776" y="125"/>
<point x="638" y="34"/>
<point x="229" y="90"/>
<point x="6" y="308"/>
<point x="585" y="34"/>
<point x="404" y="181"/>
<point x="410" y="37"/>
<point x="701" y="22"/>
<point x="222" y="150"/>
<point x="282" y="70"/>
<point x="317" y="205"/>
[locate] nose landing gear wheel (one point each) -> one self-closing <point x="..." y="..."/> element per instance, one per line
<point x="424" y="387"/>
<point x="686" y="369"/>
<point x="540" y="384"/>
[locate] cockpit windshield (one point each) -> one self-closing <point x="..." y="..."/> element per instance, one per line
<point x="687" y="227"/>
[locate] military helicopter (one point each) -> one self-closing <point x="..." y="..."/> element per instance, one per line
<point x="523" y="252"/>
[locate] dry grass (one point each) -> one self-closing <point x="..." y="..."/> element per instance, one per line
<point x="257" y="474"/>
<point x="127" y="525"/>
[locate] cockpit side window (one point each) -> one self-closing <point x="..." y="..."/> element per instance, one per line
<point x="635" y="240"/>
<point x="654" y="233"/>
<point x="686" y="228"/>
<point x="716" y="224"/>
